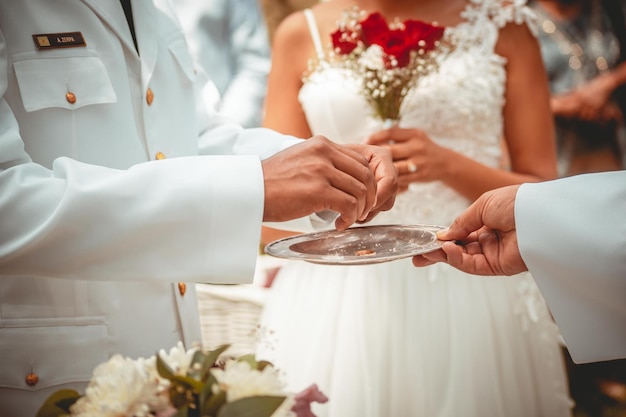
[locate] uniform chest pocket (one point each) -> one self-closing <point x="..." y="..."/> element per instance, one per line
<point x="44" y="351"/>
<point x="63" y="82"/>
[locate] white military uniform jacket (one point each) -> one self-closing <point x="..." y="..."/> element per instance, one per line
<point x="102" y="213"/>
<point x="572" y="236"/>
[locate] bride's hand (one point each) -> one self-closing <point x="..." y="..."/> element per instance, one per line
<point x="416" y="157"/>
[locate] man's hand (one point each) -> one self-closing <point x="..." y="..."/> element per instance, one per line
<point x="485" y="235"/>
<point x="318" y="175"/>
<point x="386" y="176"/>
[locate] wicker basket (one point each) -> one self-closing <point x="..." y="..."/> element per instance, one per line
<point x="229" y="314"/>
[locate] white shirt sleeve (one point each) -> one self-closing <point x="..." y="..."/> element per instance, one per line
<point x="572" y="236"/>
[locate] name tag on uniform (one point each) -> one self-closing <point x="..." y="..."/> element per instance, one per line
<point x="59" y="40"/>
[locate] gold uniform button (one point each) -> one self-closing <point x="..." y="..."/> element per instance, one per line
<point x="149" y="96"/>
<point x="70" y="97"/>
<point x="182" y="288"/>
<point x="32" y="379"/>
<point x="159" y="156"/>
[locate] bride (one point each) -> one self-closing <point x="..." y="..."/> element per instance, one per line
<point x="389" y="339"/>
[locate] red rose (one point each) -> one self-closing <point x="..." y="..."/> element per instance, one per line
<point x="372" y="28"/>
<point x="343" y="42"/>
<point x="417" y="31"/>
<point x="395" y="43"/>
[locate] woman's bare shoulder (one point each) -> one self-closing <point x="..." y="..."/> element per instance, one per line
<point x="323" y="12"/>
<point x="516" y="39"/>
<point x="294" y="33"/>
<point x="292" y="30"/>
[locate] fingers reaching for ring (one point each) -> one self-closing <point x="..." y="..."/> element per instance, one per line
<point x="406" y="167"/>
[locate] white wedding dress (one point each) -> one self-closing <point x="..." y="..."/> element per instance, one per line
<point x="392" y="340"/>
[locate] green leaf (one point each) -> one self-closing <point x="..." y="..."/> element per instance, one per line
<point x="66" y="403"/>
<point x="260" y="406"/>
<point x="212" y="405"/>
<point x="197" y="364"/>
<point x="214" y="354"/>
<point x="263" y="364"/>
<point x="250" y="359"/>
<point x="164" y="369"/>
<point x="187" y="382"/>
<point x="58" y="404"/>
<point x="207" y="390"/>
<point x="206" y="360"/>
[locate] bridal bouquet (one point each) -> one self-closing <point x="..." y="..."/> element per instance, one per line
<point x="181" y="383"/>
<point x="388" y="59"/>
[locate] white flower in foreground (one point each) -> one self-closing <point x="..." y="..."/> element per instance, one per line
<point x="160" y="399"/>
<point x="120" y="387"/>
<point x="178" y="359"/>
<point x="239" y="380"/>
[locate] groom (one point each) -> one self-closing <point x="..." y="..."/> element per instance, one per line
<point x="117" y="189"/>
<point x="571" y="234"/>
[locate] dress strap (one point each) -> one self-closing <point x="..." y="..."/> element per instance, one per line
<point x="502" y="12"/>
<point x="315" y="33"/>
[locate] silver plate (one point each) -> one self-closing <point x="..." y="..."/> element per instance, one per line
<point x="358" y="245"/>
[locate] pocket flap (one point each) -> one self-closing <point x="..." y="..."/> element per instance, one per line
<point x="45" y="351"/>
<point x="45" y="83"/>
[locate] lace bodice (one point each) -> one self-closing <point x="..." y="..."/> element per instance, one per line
<point x="459" y="106"/>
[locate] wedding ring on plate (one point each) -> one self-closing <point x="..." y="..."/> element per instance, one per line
<point x="411" y="166"/>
